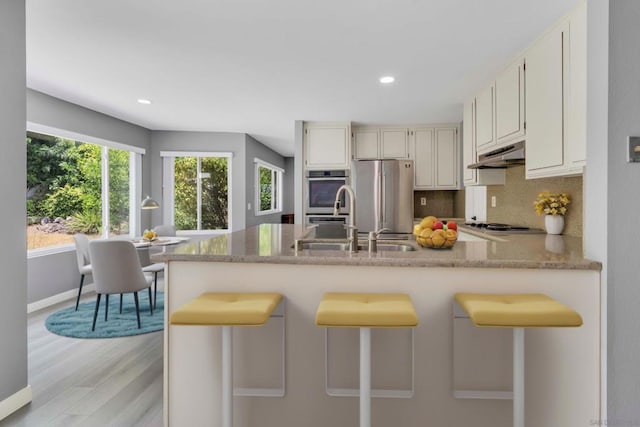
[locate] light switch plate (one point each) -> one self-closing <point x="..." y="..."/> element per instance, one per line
<point x="634" y="149"/>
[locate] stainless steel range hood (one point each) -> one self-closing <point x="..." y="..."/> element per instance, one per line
<point x="512" y="155"/>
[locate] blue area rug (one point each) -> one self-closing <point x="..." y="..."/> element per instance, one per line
<point x="77" y="324"/>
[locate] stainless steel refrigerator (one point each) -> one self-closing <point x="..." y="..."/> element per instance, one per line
<point x="384" y="195"/>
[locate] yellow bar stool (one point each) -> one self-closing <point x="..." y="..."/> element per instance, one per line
<point x="366" y="311"/>
<point x="517" y="311"/>
<point x="227" y="310"/>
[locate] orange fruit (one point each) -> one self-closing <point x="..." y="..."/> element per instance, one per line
<point x="427" y="222"/>
<point x="438" y="237"/>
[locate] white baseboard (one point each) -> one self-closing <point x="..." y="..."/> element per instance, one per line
<point x="55" y="299"/>
<point x="16" y="401"/>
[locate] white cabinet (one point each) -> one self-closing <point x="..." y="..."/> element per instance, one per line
<point x="393" y="143"/>
<point x="327" y="145"/>
<point x="485" y="119"/>
<point x="577" y="102"/>
<point x="539" y="98"/>
<point x="424" y="157"/>
<point x="470" y="156"/>
<point x="475" y="207"/>
<point x="380" y="143"/>
<point x="509" y="97"/>
<point x="499" y="110"/>
<point x="365" y="143"/>
<point x="556" y="100"/>
<point x="436" y="158"/>
<point x="545" y="101"/>
<point x="446" y="160"/>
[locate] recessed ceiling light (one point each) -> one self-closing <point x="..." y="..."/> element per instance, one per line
<point x="144" y="101"/>
<point x="387" y="79"/>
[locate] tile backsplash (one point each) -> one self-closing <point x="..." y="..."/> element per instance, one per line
<point x="439" y="203"/>
<point x="514" y="200"/>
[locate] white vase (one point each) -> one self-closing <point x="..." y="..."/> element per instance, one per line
<point x="554" y="224"/>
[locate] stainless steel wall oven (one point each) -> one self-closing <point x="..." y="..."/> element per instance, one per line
<point x="321" y="188"/>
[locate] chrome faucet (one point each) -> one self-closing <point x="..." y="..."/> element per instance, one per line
<point x="353" y="230"/>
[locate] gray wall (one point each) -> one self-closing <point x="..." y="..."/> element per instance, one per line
<point x="202" y="141"/>
<point x="262" y="152"/>
<point x="49" y="275"/>
<point x="623" y="250"/>
<point x="288" y="185"/>
<point x="50" y="111"/>
<point x="298" y="140"/>
<point x="13" y="262"/>
<point x="53" y="274"/>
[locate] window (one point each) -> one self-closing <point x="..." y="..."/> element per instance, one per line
<point x="76" y="187"/>
<point x="268" y="184"/>
<point x="197" y="190"/>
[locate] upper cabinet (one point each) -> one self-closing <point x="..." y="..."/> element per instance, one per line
<point x="365" y="143"/>
<point x="380" y="143"/>
<point x="423" y="158"/>
<point x="556" y="99"/>
<point x="577" y="102"/>
<point x="509" y="96"/>
<point x="436" y="157"/>
<point x="485" y="126"/>
<point x="446" y="158"/>
<point x="545" y="100"/>
<point x="470" y="156"/>
<point x="540" y="98"/>
<point x="327" y="145"/>
<point x="394" y="143"/>
<point x="499" y="110"/>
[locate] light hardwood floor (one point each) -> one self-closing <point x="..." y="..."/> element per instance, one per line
<point x="93" y="383"/>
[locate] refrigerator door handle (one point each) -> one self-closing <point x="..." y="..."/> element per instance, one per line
<point x="377" y="191"/>
<point x="383" y="211"/>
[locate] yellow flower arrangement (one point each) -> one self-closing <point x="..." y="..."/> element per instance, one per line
<point x="551" y="203"/>
<point x="149" y="235"/>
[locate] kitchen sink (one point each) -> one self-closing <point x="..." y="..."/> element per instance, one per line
<point x="343" y="246"/>
<point x="399" y="247"/>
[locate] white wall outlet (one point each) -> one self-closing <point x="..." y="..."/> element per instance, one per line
<point x="423" y="201"/>
<point x="249" y="206"/>
<point x="493" y="201"/>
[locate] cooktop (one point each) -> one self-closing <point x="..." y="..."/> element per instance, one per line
<point x="497" y="228"/>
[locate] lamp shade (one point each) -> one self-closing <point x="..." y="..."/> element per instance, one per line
<point x="149" y="203"/>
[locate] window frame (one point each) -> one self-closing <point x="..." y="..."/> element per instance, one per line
<point x="276" y="199"/>
<point x="135" y="181"/>
<point x="168" y="188"/>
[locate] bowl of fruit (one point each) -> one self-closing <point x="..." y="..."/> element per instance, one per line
<point x="436" y="234"/>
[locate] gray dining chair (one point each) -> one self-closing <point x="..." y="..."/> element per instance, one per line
<point x="84" y="260"/>
<point x="165" y="230"/>
<point x="149" y="267"/>
<point x="117" y="270"/>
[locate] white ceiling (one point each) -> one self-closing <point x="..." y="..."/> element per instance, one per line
<point x="256" y="66"/>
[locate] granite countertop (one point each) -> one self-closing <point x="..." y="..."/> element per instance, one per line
<point x="273" y="243"/>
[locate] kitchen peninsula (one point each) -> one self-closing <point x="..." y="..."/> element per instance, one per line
<point x="563" y="367"/>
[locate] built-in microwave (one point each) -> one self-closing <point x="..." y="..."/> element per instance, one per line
<point x="321" y="189"/>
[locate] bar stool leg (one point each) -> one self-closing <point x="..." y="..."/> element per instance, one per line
<point x="365" y="377"/>
<point x="518" y="377"/>
<point x="227" y="377"/>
